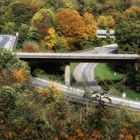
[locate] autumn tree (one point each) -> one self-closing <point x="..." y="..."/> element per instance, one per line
<point x="132" y="11"/>
<point x="72" y="26"/>
<point x="91" y="25"/>
<point x="42" y="21"/>
<point x="106" y="22"/>
<point x="49" y="41"/>
<point x="8" y="64"/>
<point x="30" y="46"/>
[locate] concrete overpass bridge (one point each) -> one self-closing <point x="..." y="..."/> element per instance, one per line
<point x="78" y="57"/>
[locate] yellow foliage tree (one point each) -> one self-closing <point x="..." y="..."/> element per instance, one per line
<point x="49" y="42"/>
<point x="106" y="22"/>
<point x="91" y="24"/>
<point x="42" y="21"/>
<point x="128" y="137"/>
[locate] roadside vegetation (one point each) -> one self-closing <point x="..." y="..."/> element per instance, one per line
<point x="29" y="112"/>
<point x="114" y="81"/>
<point x="66" y="26"/>
<point x="48" y="76"/>
<point x="104" y="73"/>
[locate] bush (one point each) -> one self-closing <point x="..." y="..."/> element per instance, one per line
<point x="30" y="46"/>
<point x="61" y="44"/>
<point x="38" y="72"/>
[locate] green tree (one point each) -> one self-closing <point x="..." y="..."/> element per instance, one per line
<point x="127" y="36"/>
<point x="9" y="28"/>
<point x="22" y="12"/>
<point x="23" y="30"/>
<point x="6" y="16"/>
<point x="123" y="5"/>
<point x="55" y="4"/>
<point x="32" y="34"/>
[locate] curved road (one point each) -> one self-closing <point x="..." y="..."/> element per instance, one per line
<point x="3" y="40"/>
<point x="84" y="72"/>
<point x="78" y="95"/>
<point x="7" y="41"/>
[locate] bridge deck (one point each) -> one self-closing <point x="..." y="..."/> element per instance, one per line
<point x="76" y="57"/>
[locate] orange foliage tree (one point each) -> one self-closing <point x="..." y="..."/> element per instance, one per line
<point x="29" y="46"/>
<point x="72" y="26"/>
<point x="131" y="10"/>
<point x="21" y="76"/>
<point x="91" y="25"/>
<point x="75" y="27"/>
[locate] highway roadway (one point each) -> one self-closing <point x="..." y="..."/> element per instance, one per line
<point x="78" y="95"/>
<point x="7" y="42"/>
<point x="84" y="72"/>
<point x="3" y="40"/>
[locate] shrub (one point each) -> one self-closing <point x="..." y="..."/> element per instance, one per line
<point x="30" y="46"/>
<point x="38" y="72"/>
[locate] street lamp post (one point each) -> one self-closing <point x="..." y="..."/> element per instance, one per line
<point x="124" y="91"/>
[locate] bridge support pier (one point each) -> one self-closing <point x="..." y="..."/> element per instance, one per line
<point x="67" y="74"/>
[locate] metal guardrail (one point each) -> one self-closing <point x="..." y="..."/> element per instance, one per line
<point x="78" y="96"/>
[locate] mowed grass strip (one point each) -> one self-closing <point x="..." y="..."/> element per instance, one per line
<point x="104" y="73"/>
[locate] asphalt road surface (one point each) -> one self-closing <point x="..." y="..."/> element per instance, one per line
<point x="7" y="41"/>
<point x="84" y="72"/>
<point x="3" y="40"/>
<point x="77" y="95"/>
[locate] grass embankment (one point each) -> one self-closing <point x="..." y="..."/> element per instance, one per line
<point x="47" y="76"/>
<point x="72" y="67"/>
<point x="114" y="81"/>
<point x="53" y="77"/>
<point x="103" y="72"/>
